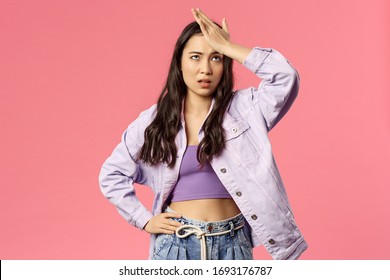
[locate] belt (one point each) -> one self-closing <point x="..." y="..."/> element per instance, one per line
<point x="201" y="235"/>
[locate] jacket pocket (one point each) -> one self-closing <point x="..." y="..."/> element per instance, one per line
<point x="240" y="141"/>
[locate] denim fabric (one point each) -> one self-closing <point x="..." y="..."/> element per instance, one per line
<point x="235" y="245"/>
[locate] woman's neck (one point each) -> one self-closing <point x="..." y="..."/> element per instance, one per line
<point x="197" y="105"/>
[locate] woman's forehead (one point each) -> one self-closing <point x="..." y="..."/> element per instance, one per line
<point x="198" y="43"/>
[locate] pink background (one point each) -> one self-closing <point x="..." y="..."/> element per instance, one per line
<point x="74" y="74"/>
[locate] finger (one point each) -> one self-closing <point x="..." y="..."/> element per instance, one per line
<point x="195" y="14"/>
<point x="225" y="26"/>
<point x="204" y="25"/>
<point x="174" y="223"/>
<point x="166" y="222"/>
<point x="200" y="21"/>
<point x="166" y="231"/>
<point x="171" y="228"/>
<point x="205" y="18"/>
<point x="171" y="215"/>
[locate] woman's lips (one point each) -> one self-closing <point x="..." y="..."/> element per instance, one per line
<point x="204" y="83"/>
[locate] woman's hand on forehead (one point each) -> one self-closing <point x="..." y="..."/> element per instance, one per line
<point x="218" y="38"/>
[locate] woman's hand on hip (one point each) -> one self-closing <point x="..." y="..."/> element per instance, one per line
<point x="162" y="223"/>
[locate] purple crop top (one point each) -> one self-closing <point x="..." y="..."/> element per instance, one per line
<point x="196" y="183"/>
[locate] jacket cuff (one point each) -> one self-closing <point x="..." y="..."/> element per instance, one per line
<point x="142" y="219"/>
<point x="256" y="57"/>
<point x="298" y="250"/>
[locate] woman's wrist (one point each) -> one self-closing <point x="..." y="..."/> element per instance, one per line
<point x="236" y="52"/>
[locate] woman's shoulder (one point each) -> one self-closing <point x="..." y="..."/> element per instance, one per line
<point x="149" y="112"/>
<point x="145" y="117"/>
<point x="242" y="99"/>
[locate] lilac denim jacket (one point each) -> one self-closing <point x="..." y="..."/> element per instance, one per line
<point x="246" y="167"/>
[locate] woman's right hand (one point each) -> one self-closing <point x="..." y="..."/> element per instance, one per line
<point x="163" y="224"/>
<point x="219" y="38"/>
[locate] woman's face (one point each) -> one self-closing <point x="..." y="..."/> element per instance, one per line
<point x="201" y="66"/>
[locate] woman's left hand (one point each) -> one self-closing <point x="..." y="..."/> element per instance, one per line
<point x="218" y="38"/>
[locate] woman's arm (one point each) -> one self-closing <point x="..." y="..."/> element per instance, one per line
<point x="117" y="177"/>
<point x="280" y="81"/>
<point x="279" y="86"/>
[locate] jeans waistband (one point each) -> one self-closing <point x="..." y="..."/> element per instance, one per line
<point x="212" y="227"/>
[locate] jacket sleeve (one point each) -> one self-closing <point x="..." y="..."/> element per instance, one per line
<point x="118" y="174"/>
<point x="279" y="86"/>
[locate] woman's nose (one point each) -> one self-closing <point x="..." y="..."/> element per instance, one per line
<point x="205" y="67"/>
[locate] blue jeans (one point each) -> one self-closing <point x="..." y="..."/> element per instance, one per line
<point x="234" y="245"/>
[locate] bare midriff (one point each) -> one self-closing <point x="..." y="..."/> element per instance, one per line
<point x="207" y="210"/>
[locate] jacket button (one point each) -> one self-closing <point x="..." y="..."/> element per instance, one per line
<point x="271" y="241"/>
<point x="254" y="217"/>
<point x="238" y="193"/>
<point x="223" y="170"/>
<point x="234" y="130"/>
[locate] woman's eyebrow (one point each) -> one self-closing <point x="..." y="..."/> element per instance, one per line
<point x="197" y="52"/>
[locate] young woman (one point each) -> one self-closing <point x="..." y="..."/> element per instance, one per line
<point x="204" y="150"/>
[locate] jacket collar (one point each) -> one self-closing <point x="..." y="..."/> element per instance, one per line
<point x="182" y="110"/>
<point x="233" y="126"/>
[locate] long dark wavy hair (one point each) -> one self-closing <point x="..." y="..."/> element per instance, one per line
<point x="159" y="145"/>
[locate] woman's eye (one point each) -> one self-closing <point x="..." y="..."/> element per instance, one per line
<point x="194" y="57"/>
<point x="216" y="58"/>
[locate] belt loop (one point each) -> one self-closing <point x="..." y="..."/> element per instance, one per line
<point x="231" y="228"/>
